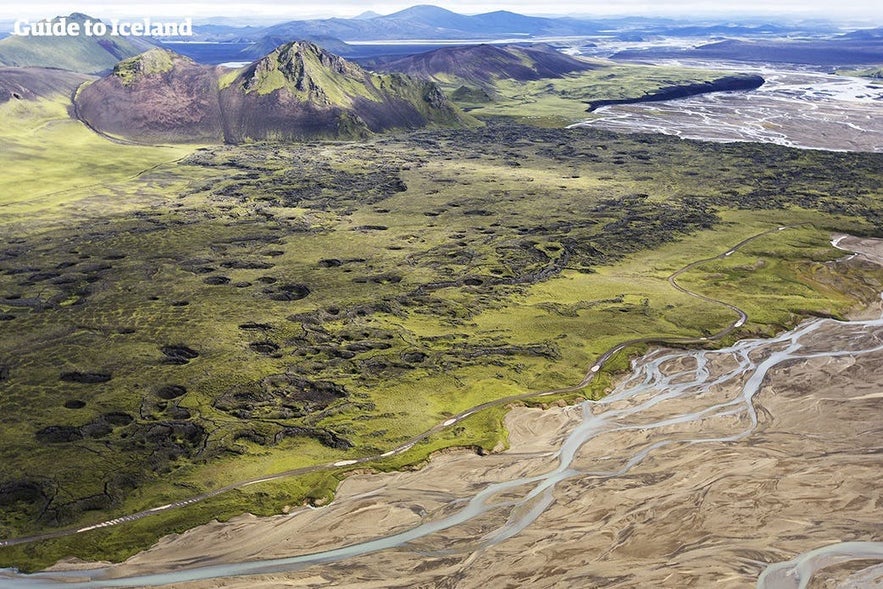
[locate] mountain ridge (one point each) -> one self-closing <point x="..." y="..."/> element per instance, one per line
<point x="298" y="91"/>
<point x="481" y="64"/>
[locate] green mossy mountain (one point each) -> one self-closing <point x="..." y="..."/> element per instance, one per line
<point x="298" y="91"/>
<point x="81" y="53"/>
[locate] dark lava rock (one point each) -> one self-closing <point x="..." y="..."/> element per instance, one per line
<point x="264" y="347"/>
<point x="242" y="284"/>
<point x="74" y="404"/>
<point x="85" y="377"/>
<point x="330" y="263"/>
<point x="179" y="413"/>
<point x="246" y="265"/>
<point x="251" y="436"/>
<point x="171" y="391"/>
<point x="6" y="317"/>
<point x="473" y="282"/>
<point x="289" y="292"/>
<point x="59" y="434"/>
<point x="96" y="429"/>
<point x="253" y="325"/>
<point x="179" y="354"/>
<point x="20" y="491"/>
<point x="323" y="436"/>
<point x="216" y="280"/>
<point x="117" y="418"/>
<point x="40" y="276"/>
<point x="414" y="357"/>
<point x="726" y="83"/>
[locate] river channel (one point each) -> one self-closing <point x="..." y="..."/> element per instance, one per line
<point x="796" y="108"/>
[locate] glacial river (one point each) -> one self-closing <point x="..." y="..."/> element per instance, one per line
<point x="796" y="108"/>
<point x="671" y="398"/>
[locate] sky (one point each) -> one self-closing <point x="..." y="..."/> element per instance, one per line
<point x="870" y="11"/>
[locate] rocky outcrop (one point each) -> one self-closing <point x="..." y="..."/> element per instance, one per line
<point x="725" y="84"/>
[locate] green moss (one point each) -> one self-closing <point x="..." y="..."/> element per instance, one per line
<point x="153" y="62"/>
<point x="870" y="72"/>
<point x="550" y="102"/>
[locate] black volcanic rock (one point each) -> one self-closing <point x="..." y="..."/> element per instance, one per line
<point x="727" y="83"/>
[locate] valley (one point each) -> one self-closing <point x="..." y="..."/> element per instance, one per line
<point x="400" y="315"/>
<point x="258" y="320"/>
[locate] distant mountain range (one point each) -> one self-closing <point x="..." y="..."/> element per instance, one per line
<point x="830" y="52"/>
<point x="298" y="91"/>
<point x="430" y="22"/>
<point x="753" y="41"/>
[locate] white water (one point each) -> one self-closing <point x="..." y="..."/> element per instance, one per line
<point x="713" y="392"/>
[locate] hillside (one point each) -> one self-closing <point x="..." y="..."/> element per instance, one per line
<point x="156" y="96"/>
<point x="82" y="53"/>
<point x="33" y="83"/>
<point x="298" y="91"/>
<point x="482" y="64"/>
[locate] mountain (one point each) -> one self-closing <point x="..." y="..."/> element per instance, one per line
<point x="217" y="33"/>
<point x="865" y="35"/>
<point x="267" y="44"/>
<point x="298" y="91"/>
<point x="430" y="22"/>
<point x="81" y="53"/>
<point x="482" y="64"/>
<point x="157" y="96"/>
